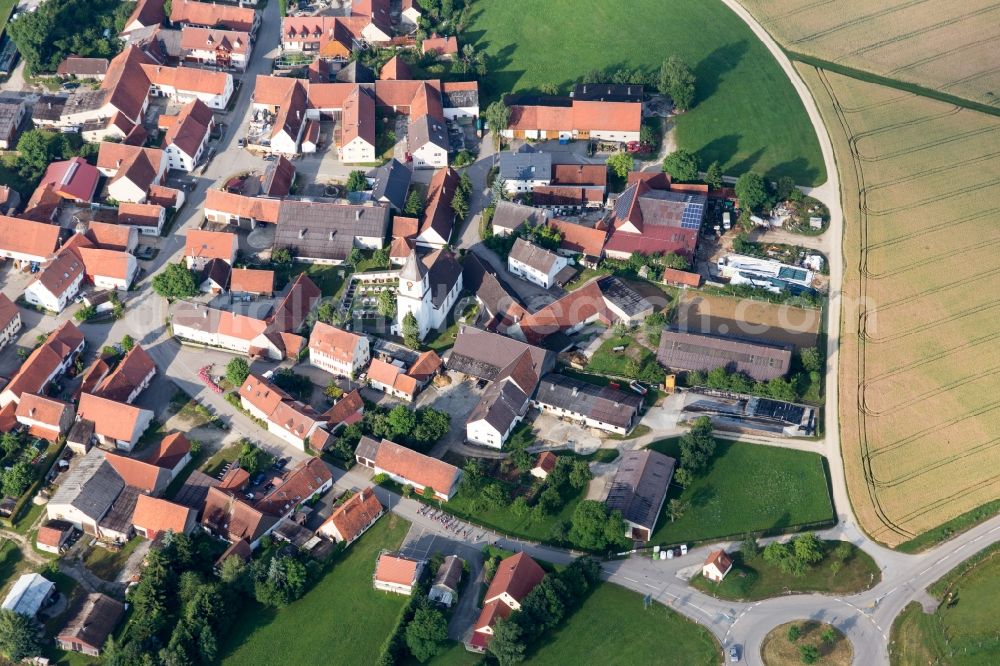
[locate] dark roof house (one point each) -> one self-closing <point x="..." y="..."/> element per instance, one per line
<point x="639" y="490"/>
<point x="701" y="352"/>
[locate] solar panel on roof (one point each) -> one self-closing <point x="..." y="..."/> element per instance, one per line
<point x="691" y="219"/>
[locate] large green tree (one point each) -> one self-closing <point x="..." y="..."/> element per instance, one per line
<point x="752" y="192"/>
<point x="411" y="331"/>
<point x="176" y="281"/>
<point x="387" y="303"/>
<point x="426" y="633"/>
<point x="507" y="645"/>
<point x="620" y="164"/>
<point x="677" y="80"/>
<point x="237" y="370"/>
<point x="356" y="181"/>
<point x="497" y="116"/>
<point x="697" y="445"/>
<point x="595" y="527"/>
<point x="18" y="636"/>
<point x="682" y="165"/>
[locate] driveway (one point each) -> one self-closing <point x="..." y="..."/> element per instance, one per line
<point x="457" y="400"/>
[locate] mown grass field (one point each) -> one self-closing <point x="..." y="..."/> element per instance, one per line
<point x="612" y="627"/>
<point x="777" y="650"/>
<point x="919" y="365"/>
<point x="341" y="620"/>
<point x="946" y="46"/>
<point x="750" y="581"/>
<point x="748" y="488"/>
<point x="965" y="629"/>
<point x="747" y="115"/>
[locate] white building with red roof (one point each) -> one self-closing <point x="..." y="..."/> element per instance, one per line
<point x="716" y="566"/>
<point x="409" y="467"/>
<point x="116" y="424"/>
<point x="187" y="135"/>
<point x="10" y="320"/>
<point x="295" y="422"/>
<point x="50" y="360"/>
<point x="396" y="574"/>
<point x="202" y="246"/>
<point x="226" y="49"/>
<point x="43" y="416"/>
<point x="337" y="351"/>
<point x="73" y="179"/>
<point x="132" y="170"/>
<point x="515" y="577"/>
<point x="353" y="518"/>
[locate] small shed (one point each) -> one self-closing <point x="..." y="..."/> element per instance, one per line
<point x="716" y="566"/>
<point x="444" y="590"/>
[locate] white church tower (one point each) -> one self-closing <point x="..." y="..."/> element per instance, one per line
<point x="414" y="294"/>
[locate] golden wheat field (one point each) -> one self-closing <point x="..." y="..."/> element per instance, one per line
<point x="947" y="45"/>
<point x="920" y="377"/>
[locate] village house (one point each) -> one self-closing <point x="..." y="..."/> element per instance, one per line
<point x="139" y="474"/>
<point x="111" y="236"/>
<point x="536" y="264"/>
<point x="338" y="352"/>
<point x="575" y="118"/>
<point x="73" y="179"/>
<point x="390" y="185"/>
<point x="524" y="170"/>
<point x="353" y="517"/>
<point x="649" y="221"/>
<point x="347" y="410"/>
<point x="295" y="422"/>
<point x="391" y="378"/>
<point x="274" y="337"/>
<point x="26" y="241"/>
<point x="214" y="277"/>
<point x="242" y="211"/>
<point x="53" y="535"/>
<point x="515" y="577"/>
<point x="10" y="321"/>
<point x="146" y="218"/>
<point x="155" y="517"/>
<point x="44" y="417"/>
<point x="444" y="589"/>
<point x="639" y="490"/>
<point x="716" y="566"/>
<point x="49" y="361"/>
<point x="132" y="170"/>
<point x="595" y="406"/>
<point x="326" y="232"/>
<point x="225" y="49"/>
<point x="187" y="135"/>
<point x="57" y="283"/>
<point x="509" y="217"/>
<point x="201" y="246"/>
<point x="445" y="47"/>
<point x="438" y="223"/>
<point x="212" y="15"/>
<point x="146" y="14"/>
<point x="544" y="464"/>
<point x="116" y="424"/>
<point x="93" y="622"/>
<point x="173" y="453"/>
<point x="409" y="467"/>
<point x="396" y="574"/>
<point x="255" y="283"/>
<point x="77" y="68"/>
<point x="357" y="128"/>
<point x="513" y="369"/>
<point x="130" y="377"/>
<point x="585" y="244"/>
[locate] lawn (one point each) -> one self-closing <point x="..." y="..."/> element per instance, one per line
<point x="106" y="564"/>
<point x="778" y="650"/>
<point x="746" y="114"/>
<point x="965" y="630"/>
<point x="6" y="8"/>
<point x="219" y="459"/>
<point x="455" y="655"/>
<point x="329" y="279"/>
<point x="505" y="522"/>
<point x="607" y="361"/>
<point x="748" y="488"/>
<point x="12" y="564"/>
<point x="613" y="627"/>
<point x="760" y="580"/>
<point x="341" y="620"/>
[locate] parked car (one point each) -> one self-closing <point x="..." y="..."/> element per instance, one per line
<point x="638" y="388"/>
<point x="734" y="653"/>
<point x="241" y="143"/>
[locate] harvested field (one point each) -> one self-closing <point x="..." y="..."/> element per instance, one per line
<point x="949" y="47"/>
<point x="919" y="379"/>
<point x="748" y="319"/>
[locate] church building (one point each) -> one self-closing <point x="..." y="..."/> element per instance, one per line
<point x="429" y="286"/>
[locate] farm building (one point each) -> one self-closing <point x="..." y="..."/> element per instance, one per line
<point x="690" y="351"/>
<point x="639" y="490"/>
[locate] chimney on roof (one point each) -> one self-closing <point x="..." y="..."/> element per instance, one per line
<point x="357" y="214"/>
<point x="575" y="391"/>
<point x="302" y="233"/>
<point x="204" y="314"/>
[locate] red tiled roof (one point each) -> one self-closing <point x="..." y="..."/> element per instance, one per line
<point x="211" y="14"/>
<point x="209" y="39"/>
<point x="111" y="419"/>
<point x="158" y="516"/>
<point x="210" y="244"/>
<point x="48" y="411"/>
<point x="262" y="394"/>
<point x="170" y="451"/>
<point x="110" y="236"/>
<point x="83" y="67"/>
<point x="191" y="128"/>
<point x="251" y="281"/>
<point x="49" y="536"/>
<point x="579" y="174"/>
<point x="127" y="83"/>
<point x="353" y="516"/>
<point x="425" y="366"/>
<point x="136" y="473"/>
<point x="44" y="360"/>
<point x="147" y="13"/>
<point x="104" y="263"/>
<point x="27" y="237"/>
<point x="139" y="214"/>
<point x="347" y="410"/>
<point x="418" y="468"/>
<point x="439" y="215"/>
<point x="395" y="70"/>
<point x="188" y="78"/>
<point x="298" y="486"/>
<point x="334" y="342"/>
<point x="396" y="569"/>
<point x="447" y="45"/>
<point x="578" y="238"/>
<point x="546" y="461"/>
<point x="391" y="375"/>
<point x="573" y="308"/>
<point x="262" y="210"/>
<point x="405" y="227"/>
<point x="678" y="277"/>
<point x="516" y="576"/>
<point x="8" y="311"/>
<point x="720" y="559"/>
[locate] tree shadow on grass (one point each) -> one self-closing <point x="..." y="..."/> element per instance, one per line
<point x="721" y="150"/>
<point x="799" y="169"/>
<point x="710" y="70"/>
<point x="702" y="496"/>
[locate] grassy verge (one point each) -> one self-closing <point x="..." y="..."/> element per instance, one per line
<point x="613" y="627"/>
<point x="340" y="620"/>
<point x="748" y="488"/>
<point x="778" y="650"/>
<point x="915" y="638"/>
<point x="105" y="563"/>
<point x="953" y="527"/>
<point x="750" y="581"/>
